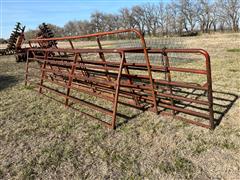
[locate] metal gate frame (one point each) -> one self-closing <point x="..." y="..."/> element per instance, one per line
<point x="105" y="79"/>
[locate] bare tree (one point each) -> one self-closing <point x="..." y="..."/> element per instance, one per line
<point x="84" y="27"/>
<point x="138" y="18"/>
<point x="229" y="13"/>
<point x="205" y="15"/>
<point x="97" y="19"/>
<point x="162" y="19"/>
<point x="70" y="28"/>
<point x="58" y="31"/>
<point x="172" y="19"/>
<point x="177" y="18"/>
<point x="214" y="16"/>
<point x="111" y="22"/>
<point x="189" y="13"/>
<point x="150" y="16"/>
<point x="126" y="19"/>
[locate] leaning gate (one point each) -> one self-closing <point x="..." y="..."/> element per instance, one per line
<point x="174" y="82"/>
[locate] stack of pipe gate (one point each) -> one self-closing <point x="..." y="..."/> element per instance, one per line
<point x="130" y="74"/>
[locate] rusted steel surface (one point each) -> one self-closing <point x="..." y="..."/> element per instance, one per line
<point x="119" y="76"/>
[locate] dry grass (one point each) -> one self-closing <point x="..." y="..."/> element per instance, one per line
<point x="41" y="139"/>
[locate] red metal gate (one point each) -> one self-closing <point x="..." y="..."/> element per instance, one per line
<point x="136" y="76"/>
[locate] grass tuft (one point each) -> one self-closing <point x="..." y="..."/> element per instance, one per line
<point x="234" y="50"/>
<point x="184" y="166"/>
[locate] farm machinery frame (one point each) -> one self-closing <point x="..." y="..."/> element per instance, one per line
<point x="17" y="39"/>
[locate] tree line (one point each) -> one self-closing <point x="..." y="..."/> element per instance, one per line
<point x="160" y="19"/>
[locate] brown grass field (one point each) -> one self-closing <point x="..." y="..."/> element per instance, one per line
<point x="41" y="139"/>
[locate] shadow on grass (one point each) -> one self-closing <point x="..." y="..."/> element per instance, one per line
<point x="7" y="81"/>
<point x="222" y="103"/>
<point x="129" y="118"/>
<point x="225" y="101"/>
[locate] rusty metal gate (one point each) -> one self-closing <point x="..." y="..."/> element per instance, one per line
<point x="133" y="75"/>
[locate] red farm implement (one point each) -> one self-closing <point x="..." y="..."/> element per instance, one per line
<point x="16" y="41"/>
<point x="174" y="82"/>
